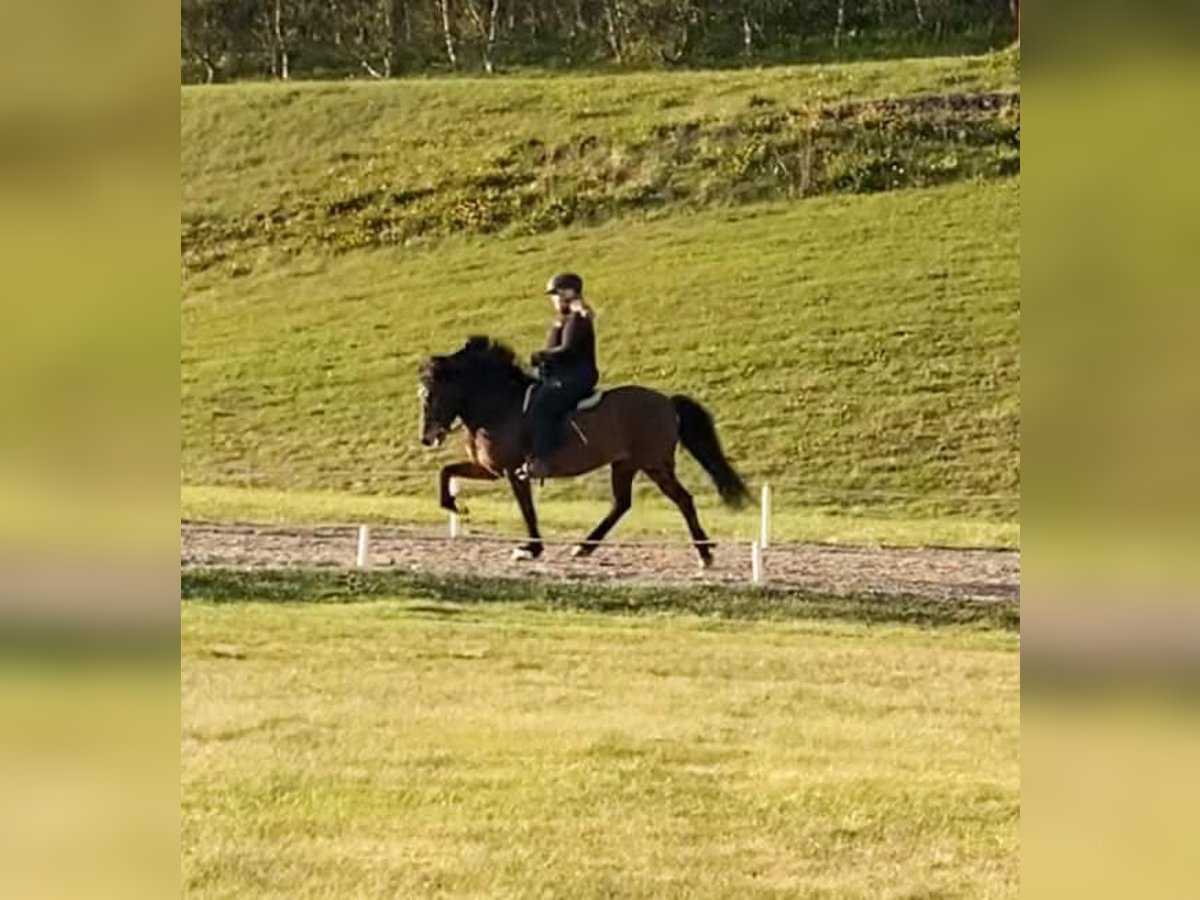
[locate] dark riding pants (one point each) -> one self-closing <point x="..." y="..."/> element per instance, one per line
<point x="552" y="403"/>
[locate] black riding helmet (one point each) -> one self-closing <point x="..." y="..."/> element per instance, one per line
<point x="565" y="281"/>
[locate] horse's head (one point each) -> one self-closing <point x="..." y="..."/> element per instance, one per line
<point x="441" y="394"/>
<point x="482" y="371"/>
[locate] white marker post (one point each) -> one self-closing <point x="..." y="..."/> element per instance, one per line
<point x="455" y="526"/>
<point x="764" y="531"/>
<point x="363" y="557"/>
<point x="756" y="563"/>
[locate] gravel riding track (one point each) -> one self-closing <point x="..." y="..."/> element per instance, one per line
<point x="939" y="573"/>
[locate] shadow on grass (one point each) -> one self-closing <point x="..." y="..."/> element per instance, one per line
<point x="296" y="586"/>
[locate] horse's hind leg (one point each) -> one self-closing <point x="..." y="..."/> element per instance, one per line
<point x="623" y="473"/>
<point x="524" y="494"/>
<point x="664" y="477"/>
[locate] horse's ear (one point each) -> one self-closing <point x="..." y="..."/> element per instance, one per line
<point x="477" y="342"/>
<point x="435" y="365"/>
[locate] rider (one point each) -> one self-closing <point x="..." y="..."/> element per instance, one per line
<point x="567" y="368"/>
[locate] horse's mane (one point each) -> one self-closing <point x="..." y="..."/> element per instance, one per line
<point x="482" y="358"/>
<point x="493" y="353"/>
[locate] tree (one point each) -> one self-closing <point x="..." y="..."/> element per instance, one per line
<point x="485" y="15"/>
<point x="290" y="38"/>
<point x="209" y="31"/>
<point x="279" y="48"/>
<point x="448" y="32"/>
<point x="369" y="29"/>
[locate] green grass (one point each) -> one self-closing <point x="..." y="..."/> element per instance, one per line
<point x="492" y="511"/>
<point x="862" y="354"/>
<point x="246" y="146"/>
<point x="409" y="746"/>
<point x="776" y="603"/>
<point x="274" y="169"/>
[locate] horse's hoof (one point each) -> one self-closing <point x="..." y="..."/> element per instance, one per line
<point x="706" y="562"/>
<point x="583" y="551"/>
<point x="526" y="553"/>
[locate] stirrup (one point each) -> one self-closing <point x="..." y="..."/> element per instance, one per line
<point x="524" y="473"/>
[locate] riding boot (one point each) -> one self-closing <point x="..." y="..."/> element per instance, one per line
<point x="546" y="441"/>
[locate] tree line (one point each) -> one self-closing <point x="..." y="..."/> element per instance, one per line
<point x="282" y="39"/>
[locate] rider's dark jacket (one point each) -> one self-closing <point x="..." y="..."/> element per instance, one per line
<point x="570" y="352"/>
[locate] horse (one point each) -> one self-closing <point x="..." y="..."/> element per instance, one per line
<point x="632" y="429"/>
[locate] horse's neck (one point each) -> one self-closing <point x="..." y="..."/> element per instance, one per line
<point x="493" y="408"/>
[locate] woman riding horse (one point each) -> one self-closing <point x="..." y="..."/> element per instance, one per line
<point x="567" y="370"/>
<point x="634" y="429"/>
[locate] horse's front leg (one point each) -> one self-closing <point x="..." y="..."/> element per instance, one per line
<point x="470" y="470"/>
<point x="524" y="494"/>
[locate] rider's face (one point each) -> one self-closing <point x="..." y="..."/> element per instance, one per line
<point x="561" y="302"/>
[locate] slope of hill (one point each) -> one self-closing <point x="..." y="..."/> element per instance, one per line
<point x="860" y="348"/>
<point x="278" y="169"/>
<point x="860" y="352"/>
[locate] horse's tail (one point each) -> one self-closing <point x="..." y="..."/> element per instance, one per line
<point x="699" y="437"/>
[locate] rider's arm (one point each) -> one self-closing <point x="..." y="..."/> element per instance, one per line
<point x="573" y="332"/>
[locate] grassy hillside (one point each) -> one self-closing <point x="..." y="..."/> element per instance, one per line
<point x="859" y="349"/>
<point x="338" y="166"/>
<point x="849" y="349"/>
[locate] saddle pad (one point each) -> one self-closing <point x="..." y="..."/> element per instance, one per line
<point x="591" y="401"/>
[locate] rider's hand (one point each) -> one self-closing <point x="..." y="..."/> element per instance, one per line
<point x="536" y="359"/>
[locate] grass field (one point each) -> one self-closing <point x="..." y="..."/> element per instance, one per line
<point x="422" y="745"/>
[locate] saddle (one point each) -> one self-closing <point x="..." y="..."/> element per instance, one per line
<point x="591" y="401"/>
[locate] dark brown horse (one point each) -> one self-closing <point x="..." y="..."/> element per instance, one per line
<point x="632" y="429"/>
